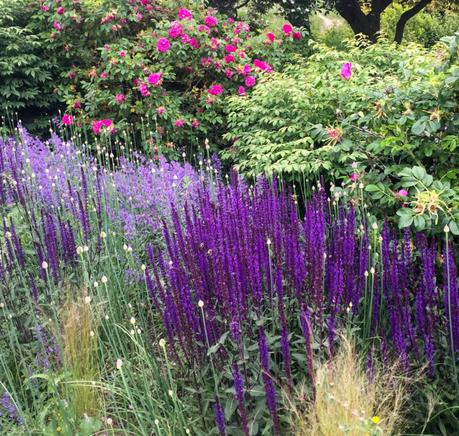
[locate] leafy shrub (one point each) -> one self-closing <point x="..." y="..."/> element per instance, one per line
<point x="26" y="72"/>
<point x="393" y="112"/>
<point x="158" y="67"/>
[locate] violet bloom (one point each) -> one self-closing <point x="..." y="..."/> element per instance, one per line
<point x="346" y="70"/>
<point x="219" y="418"/>
<point x="7" y="404"/>
<point x="239" y="390"/>
<point x="270" y="390"/>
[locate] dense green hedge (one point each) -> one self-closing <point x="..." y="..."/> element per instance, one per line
<point x="26" y="69"/>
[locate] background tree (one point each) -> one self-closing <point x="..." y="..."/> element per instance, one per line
<point x="364" y="17"/>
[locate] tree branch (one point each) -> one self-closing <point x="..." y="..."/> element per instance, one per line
<point x="379" y="6"/>
<point x="245" y="3"/>
<point x="407" y="15"/>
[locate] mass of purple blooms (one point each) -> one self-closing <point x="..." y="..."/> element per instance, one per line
<point x="241" y="255"/>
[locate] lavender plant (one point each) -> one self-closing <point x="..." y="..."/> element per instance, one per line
<point x="210" y="299"/>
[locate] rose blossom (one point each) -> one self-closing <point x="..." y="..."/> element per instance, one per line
<point x="215" y="90"/>
<point x="67" y="120"/>
<point x="163" y="45"/>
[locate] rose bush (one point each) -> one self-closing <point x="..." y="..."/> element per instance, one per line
<point x="160" y="68"/>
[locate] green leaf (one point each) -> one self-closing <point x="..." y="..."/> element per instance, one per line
<point x="453" y="227"/>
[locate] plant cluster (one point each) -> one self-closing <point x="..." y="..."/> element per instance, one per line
<point x="202" y="309"/>
<point x="157" y="64"/>
<point x="360" y="115"/>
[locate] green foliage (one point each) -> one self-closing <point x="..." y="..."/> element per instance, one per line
<point x="395" y="112"/>
<point x="427" y="27"/>
<point x="26" y="73"/>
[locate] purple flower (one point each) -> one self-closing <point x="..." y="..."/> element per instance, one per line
<point x="239" y="390"/>
<point x="270" y="391"/>
<point x="219" y="418"/>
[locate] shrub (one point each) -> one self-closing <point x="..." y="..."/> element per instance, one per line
<point x="26" y="72"/>
<point x="160" y="68"/>
<point x="392" y="112"/>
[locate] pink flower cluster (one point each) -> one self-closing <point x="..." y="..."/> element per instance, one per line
<point x="98" y="126"/>
<point x="287" y="30"/>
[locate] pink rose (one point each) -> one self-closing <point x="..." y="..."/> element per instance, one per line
<point x="210" y="21"/>
<point x="120" y="98"/>
<point x="241" y="90"/>
<point x="203" y="28"/>
<point x="402" y="193"/>
<point x="271" y="37"/>
<point x="60" y="10"/>
<point x="155" y="79"/>
<point x="185" y="14"/>
<point x="354" y="177"/>
<point x="67" y="120"/>
<point x="229" y="59"/>
<point x="194" y="43"/>
<point x="215" y="90"/>
<point x="175" y="30"/>
<point x="230" y="48"/>
<point x="250" y="81"/>
<point x="179" y="123"/>
<point x="163" y="45"/>
<point x="57" y="26"/>
<point x="246" y="69"/>
<point x="160" y="110"/>
<point x="346" y="70"/>
<point x="262" y="65"/>
<point x="287" y="29"/>
<point x="144" y="91"/>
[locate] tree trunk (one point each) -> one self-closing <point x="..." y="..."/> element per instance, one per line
<point x="407" y="15"/>
<point x="368" y="25"/>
